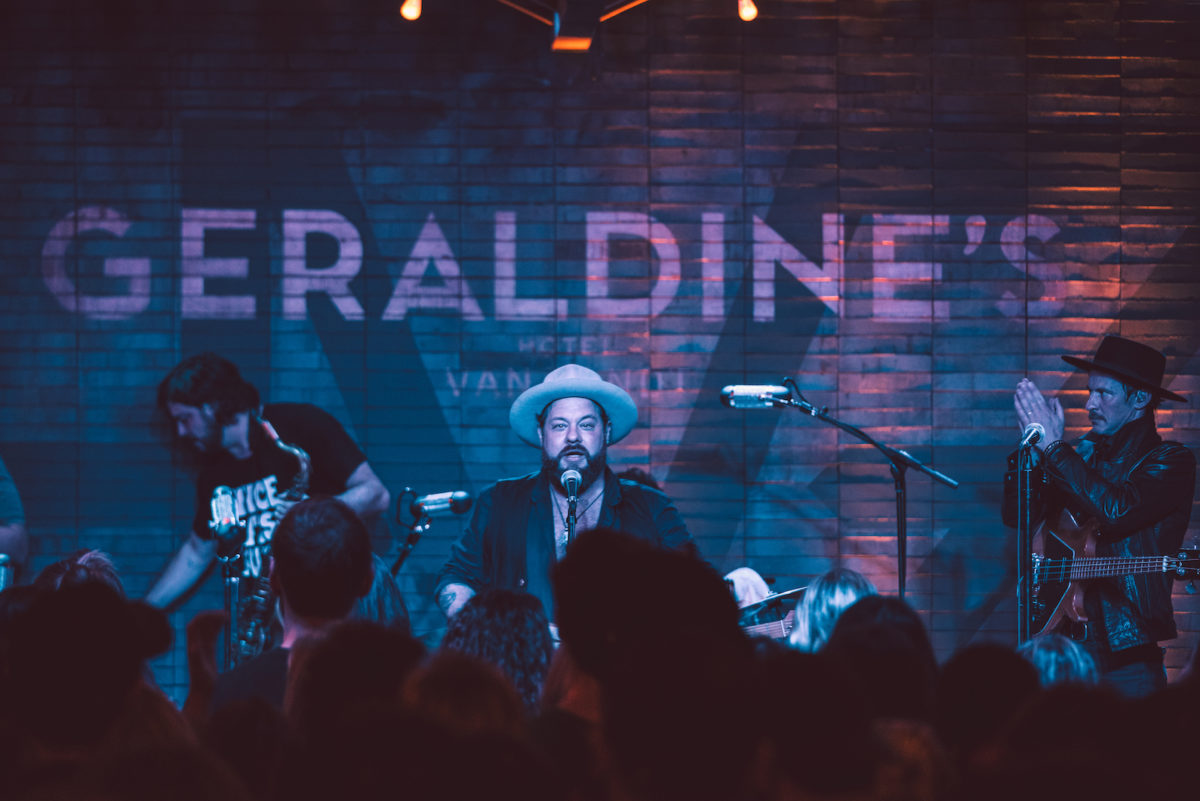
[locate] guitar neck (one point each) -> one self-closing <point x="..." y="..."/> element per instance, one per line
<point x="1092" y="567"/>
<point x="776" y="629"/>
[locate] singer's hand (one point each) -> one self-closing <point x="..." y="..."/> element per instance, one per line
<point x="1033" y="407"/>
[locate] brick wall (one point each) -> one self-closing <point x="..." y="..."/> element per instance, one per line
<point x="905" y="205"/>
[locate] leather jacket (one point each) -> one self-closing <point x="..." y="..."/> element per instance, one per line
<point x="1139" y="490"/>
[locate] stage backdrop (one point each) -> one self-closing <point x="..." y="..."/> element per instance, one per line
<point x="906" y="206"/>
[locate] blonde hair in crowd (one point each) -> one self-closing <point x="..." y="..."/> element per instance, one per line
<point x="823" y="602"/>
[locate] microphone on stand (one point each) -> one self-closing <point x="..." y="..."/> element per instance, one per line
<point x="225" y="525"/>
<point x="570" y="480"/>
<point x="224" y="514"/>
<point x="441" y="504"/>
<point x="754" y="396"/>
<point x="1033" y="434"/>
<point x="423" y="509"/>
<point x="570" y="483"/>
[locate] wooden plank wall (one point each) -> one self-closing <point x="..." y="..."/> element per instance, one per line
<point x="906" y="205"/>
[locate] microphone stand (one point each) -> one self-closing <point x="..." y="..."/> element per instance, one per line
<point x="229" y="554"/>
<point x="571" y="501"/>
<point x="418" y="527"/>
<point x="898" y="459"/>
<point x="1025" y="578"/>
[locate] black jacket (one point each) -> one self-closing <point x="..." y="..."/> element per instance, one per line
<point x="1138" y="489"/>
<point x="509" y="542"/>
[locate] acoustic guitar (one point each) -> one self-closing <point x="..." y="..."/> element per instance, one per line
<point x="1064" y="560"/>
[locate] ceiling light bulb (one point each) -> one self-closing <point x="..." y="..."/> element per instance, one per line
<point x="410" y="9"/>
<point x="747" y="10"/>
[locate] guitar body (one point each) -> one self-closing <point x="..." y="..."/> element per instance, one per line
<point x="1056" y="601"/>
<point x="1064" y="561"/>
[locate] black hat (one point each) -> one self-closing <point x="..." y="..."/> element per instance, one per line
<point x="1131" y="362"/>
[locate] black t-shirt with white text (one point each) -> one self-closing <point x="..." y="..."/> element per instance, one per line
<point x="258" y="481"/>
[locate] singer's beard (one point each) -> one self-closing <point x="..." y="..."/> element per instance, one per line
<point x="591" y="470"/>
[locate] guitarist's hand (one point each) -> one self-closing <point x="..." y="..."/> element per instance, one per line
<point x="1033" y="407"/>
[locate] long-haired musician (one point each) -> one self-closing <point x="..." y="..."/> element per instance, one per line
<point x="251" y="449"/>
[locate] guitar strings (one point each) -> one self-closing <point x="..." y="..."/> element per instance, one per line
<point x="1103" y="566"/>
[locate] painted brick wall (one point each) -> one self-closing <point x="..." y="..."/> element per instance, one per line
<point x="905" y="205"/>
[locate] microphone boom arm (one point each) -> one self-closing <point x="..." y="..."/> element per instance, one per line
<point x="898" y="458"/>
<point x="899" y="461"/>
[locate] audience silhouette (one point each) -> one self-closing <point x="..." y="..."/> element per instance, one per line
<point x="654" y="694"/>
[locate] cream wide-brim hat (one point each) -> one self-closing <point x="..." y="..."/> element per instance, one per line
<point x="572" y="381"/>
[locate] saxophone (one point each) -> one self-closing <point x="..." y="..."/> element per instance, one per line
<point x="257" y="604"/>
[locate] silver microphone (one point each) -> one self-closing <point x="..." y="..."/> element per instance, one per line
<point x="754" y="396"/>
<point x="441" y="504"/>
<point x="570" y="480"/>
<point x="224" y="514"/>
<point x="1033" y="434"/>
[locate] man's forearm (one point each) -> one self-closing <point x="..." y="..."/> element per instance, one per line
<point x="182" y="572"/>
<point x="451" y="598"/>
<point x="365" y="493"/>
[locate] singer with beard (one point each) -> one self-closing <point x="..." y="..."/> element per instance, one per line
<point x="1136" y="487"/>
<point x="521" y="526"/>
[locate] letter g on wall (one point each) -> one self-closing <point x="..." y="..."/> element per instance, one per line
<point x="55" y="273"/>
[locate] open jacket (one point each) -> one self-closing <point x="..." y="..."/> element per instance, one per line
<point x="509" y="542"/>
<point x="1139" y="490"/>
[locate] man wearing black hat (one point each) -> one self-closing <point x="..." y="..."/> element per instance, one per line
<point x="1136" y="487"/>
<point x="520" y="526"/>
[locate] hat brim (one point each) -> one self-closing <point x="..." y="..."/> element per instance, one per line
<point x="616" y="403"/>
<point x="1121" y="375"/>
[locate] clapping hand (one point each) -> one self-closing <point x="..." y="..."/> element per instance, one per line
<point x="1033" y="407"/>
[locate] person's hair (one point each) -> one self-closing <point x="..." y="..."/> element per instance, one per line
<point x="1131" y="390"/>
<point x="823" y="602"/>
<point x="353" y="673"/>
<point x="79" y="568"/>
<point x="677" y="716"/>
<point x="73" y="656"/>
<point x="322" y="558"/>
<point x="464" y="695"/>
<point x="509" y="631"/>
<point x="208" y="378"/>
<point x="980" y="688"/>
<point x="1058" y="660"/>
<point x="607" y="581"/>
<point x="883" y="643"/>
<point x="816" y="720"/>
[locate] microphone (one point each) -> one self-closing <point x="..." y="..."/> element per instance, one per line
<point x="1034" y="433"/>
<point x="227" y="530"/>
<point x="570" y="483"/>
<point x="754" y="396"/>
<point x="441" y="504"/>
<point x="224" y="514"/>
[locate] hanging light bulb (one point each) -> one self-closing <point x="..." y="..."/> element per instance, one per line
<point x="410" y="9"/>
<point x="747" y="10"/>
